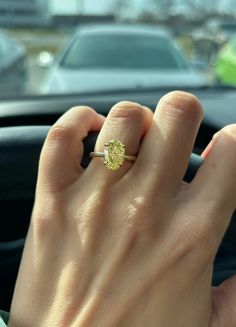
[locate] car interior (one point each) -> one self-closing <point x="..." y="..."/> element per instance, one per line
<point x="195" y="53"/>
<point x="24" y="123"/>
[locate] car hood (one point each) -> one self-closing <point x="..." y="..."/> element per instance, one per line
<point x="70" y="81"/>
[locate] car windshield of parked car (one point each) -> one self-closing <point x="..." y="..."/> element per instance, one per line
<point x="52" y="47"/>
<point x="122" y="52"/>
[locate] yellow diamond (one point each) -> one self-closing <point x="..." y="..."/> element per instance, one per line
<point x="114" y="154"/>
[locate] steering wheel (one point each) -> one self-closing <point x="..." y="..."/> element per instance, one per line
<point x="19" y="156"/>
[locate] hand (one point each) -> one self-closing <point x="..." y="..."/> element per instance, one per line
<point x="134" y="247"/>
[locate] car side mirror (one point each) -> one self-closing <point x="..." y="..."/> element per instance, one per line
<point x="45" y="59"/>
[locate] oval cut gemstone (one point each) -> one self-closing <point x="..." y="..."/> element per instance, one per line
<point x="114" y="154"/>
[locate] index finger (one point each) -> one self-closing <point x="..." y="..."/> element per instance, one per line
<point x="63" y="149"/>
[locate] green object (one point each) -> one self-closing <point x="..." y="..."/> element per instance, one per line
<point x="4" y="317"/>
<point x="225" y="66"/>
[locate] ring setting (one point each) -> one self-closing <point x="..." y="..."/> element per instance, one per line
<point x="114" y="155"/>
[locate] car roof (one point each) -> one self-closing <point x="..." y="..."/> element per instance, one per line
<point x="123" y="29"/>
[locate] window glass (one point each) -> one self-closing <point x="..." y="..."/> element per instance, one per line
<point x="123" y="51"/>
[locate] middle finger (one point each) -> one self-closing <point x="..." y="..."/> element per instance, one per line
<point x="167" y="146"/>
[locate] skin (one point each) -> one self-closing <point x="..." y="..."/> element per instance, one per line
<point x="133" y="247"/>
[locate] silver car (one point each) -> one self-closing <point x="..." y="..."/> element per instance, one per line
<point x="108" y="57"/>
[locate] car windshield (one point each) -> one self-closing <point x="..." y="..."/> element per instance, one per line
<point x="52" y="47"/>
<point x="138" y="52"/>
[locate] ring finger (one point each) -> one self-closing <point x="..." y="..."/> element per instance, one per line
<point x="127" y="122"/>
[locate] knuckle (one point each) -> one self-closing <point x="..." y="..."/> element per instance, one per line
<point x="76" y="114"/>
<point x="45" y="218"/>
<point x="127" y="109"/>
<point x="138" y="221"/>
<point x="226" y="138"/>
<point x="228" y="131"/>
<point x="66" y="127"/>
<point x="60" y="132"/>
<point x="181" y="103"/>
<point x="41" y="226"/>
<point x="80" y="110"/>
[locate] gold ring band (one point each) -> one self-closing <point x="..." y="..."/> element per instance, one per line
<point x="114" y="155"/>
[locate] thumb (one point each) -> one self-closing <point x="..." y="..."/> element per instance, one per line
<point x="224" y="303"/>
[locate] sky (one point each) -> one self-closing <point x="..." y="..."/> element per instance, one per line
<point x="133" y="6"/>
<point x="93" y="6"/>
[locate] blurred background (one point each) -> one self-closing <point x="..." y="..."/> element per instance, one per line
<point x="37" y="35"/>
